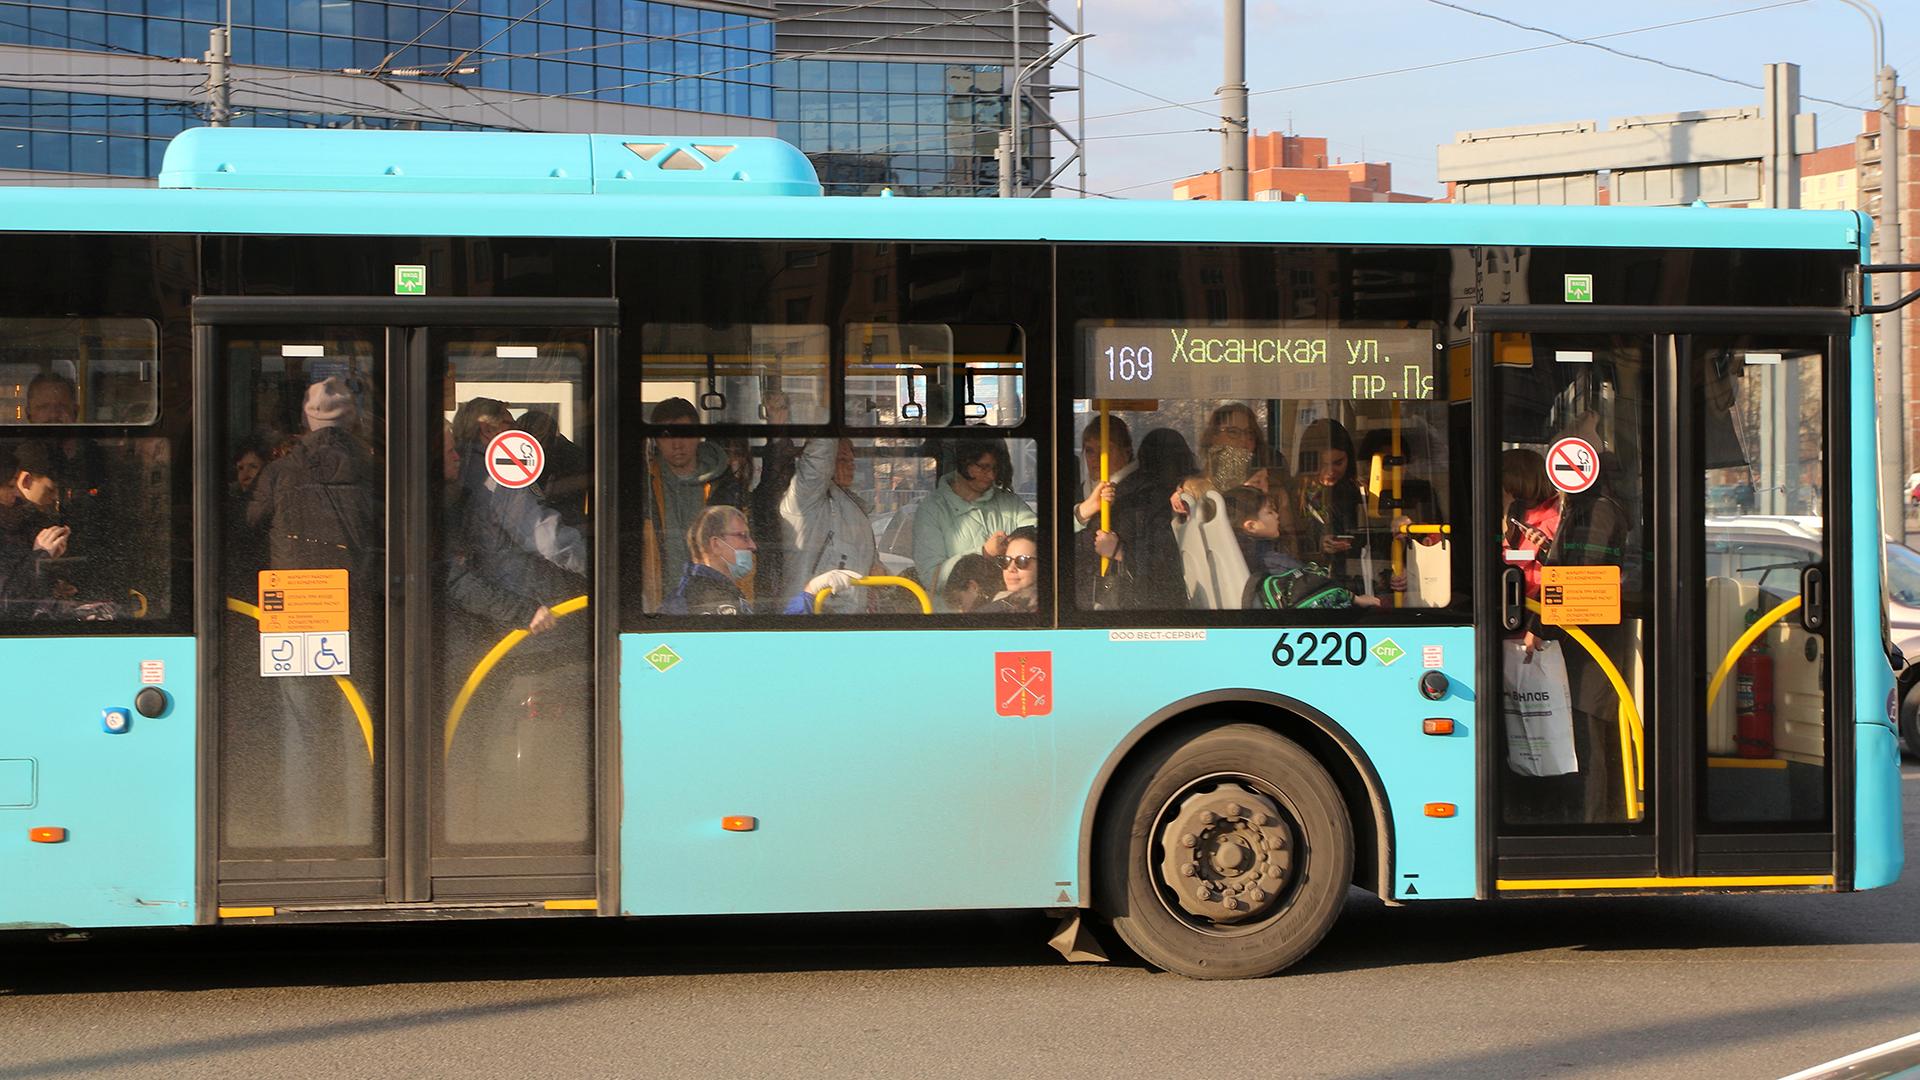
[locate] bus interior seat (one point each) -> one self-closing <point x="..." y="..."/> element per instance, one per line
<point x="1799" y="698"/>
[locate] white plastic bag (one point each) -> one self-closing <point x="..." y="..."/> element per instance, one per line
<point x="1538" y="710"/>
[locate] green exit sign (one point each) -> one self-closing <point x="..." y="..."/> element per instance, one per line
<point x="409" y="281"/>
<point x="1579" y="288"/>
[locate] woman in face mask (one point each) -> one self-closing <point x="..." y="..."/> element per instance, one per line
<point x="1233" y="446"/>
<point x="723" y="556"/>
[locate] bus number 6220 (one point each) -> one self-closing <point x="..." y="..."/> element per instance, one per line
<point x="1326" y="649"/>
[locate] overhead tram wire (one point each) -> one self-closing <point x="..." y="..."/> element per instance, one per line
<point x="1455" y="62"/>
<point x="381" y="67"/>
<point x="1635" y="56"/>
<point x="640" y="39"/>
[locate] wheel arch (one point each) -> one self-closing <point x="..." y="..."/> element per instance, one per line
<point x="1331" y="744"/>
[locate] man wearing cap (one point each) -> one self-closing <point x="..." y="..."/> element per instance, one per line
<point x="30" y="535"/>
<point x="318" y="502"/>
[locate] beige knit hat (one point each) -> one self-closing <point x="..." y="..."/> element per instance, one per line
<point x="329" y="404"/>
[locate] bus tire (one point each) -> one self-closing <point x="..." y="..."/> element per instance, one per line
<point x="1225" y="855"/>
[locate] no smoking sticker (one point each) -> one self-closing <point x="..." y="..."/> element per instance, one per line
<point x="515" y="460"/>
<point x="1573" y="465"/>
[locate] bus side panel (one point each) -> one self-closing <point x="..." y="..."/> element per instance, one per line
<point x="1879" y="849"/>
<point x="125" y="800"/>
<point x="894" y="770"/>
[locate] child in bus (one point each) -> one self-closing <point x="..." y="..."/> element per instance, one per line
<point x="1277" y="575"/>
<point x="972" y="583"/>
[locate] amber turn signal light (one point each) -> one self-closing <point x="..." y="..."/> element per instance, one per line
<point x="1440" y="809"/>
<point x="1437" y="725"/>
<point x="47" y="834"/>
<point x="739" y="823"/>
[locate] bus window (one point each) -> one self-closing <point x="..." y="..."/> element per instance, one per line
<point x="935" y="375"/>
<point x="78" y="371"/>
<point x="737" y="373"/>
<point x="1260" y="485"/>
<point x="85" y="529"/>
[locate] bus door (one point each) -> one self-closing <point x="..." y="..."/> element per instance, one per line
<point x="399" y="556"/>
<point x="1657" y="619"/>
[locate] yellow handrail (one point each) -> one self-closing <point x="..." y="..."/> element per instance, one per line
<point x="920" y="594"/>
<point x="354" y="700"/>
<point x="1745" y="640"/>
<point x="494" y="655"/>
<point x="1631" y="729"/>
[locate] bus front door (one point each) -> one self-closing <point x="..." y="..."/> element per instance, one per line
<point x="399" y="520"/>
<point x="1655" y="615"/>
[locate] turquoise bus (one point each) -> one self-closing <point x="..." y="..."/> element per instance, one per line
<point x="476" y="525"/>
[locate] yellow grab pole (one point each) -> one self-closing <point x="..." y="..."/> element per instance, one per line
<point x="347" y="690"/>
<point x="494" y="655"/>
<point x="1744" y="641"/>
<point x="920" y="594"/>
<point x="1106" y="512"/>
<point x="1397" y="545"/>
<point x="1629" y="715"/>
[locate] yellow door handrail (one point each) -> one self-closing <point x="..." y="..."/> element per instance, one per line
<point x="1631" y="729"/>
<point x="347" y="690"/>
<point x="1744" y="641"/>
<point x="494" y="655"/>
<point x="920" y="594"/>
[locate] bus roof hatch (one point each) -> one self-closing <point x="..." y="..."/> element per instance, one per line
<point x="484" y="162"/>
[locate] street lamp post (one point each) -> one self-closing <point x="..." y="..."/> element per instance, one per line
<point x="1012" y="138"/>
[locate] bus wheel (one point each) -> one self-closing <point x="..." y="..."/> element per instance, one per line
<point x="1224" y="856"/>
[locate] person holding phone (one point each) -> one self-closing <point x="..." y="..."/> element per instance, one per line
<point x="31" y="536"/>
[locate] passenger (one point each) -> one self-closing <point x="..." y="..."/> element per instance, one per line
<point x="828" y="523"/>
<point x="30" y="535"/>
<point x="1143" y="548"/>
<point x="1277" y="575"/>
<point x="1233" y="446"/>
<point x="972" y="509"/>
<point x="1119" y="466"/>
<point x="52" y="398"/>
<point x="504" y="526"/>
<point x="724" y="556"/>
<point x="973" y="582"/>
<point x="1592" y="531"/>
<point x="1019" y="573"/>
<point x="1331" y="501"/>
<point x="247" y="464"/>
<point x="567" y="479"/>
<point x="246" y="552"/>
<point x="683" y="473"/>
<point x="1193" y="491"/>
<point x="1532" y="520"/>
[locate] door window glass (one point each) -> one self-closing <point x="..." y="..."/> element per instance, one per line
<point x="512" y="570"/>
<point x="303" y="565"/>
<point x="1574" y="418"/>
<point x="1760" y="420"/>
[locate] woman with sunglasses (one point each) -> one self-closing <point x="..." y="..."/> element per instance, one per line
<point x="1019" y="572"/>
<point x="972" y="509"/>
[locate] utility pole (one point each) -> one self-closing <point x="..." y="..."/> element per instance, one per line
<point x="1780" y="179"/>
<point x="1233" y="106"/>
<point x="1008" y="151"/>
<point x="218" y="53"/>
<point x="1893" y="344"/>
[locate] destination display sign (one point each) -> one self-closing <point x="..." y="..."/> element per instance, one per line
<point x="1276" y="360"/>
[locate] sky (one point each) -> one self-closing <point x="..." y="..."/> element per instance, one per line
<point x="1170" y="50"/>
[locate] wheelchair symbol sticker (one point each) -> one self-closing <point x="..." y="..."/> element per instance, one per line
<point x="327" y="654"/>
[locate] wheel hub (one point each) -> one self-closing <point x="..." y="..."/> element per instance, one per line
<point x="1227" y="854"/>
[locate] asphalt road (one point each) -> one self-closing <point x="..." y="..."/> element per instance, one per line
<point x="1753" y="986"/>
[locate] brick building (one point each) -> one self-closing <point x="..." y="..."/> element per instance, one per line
<point x="1281" y="167"/>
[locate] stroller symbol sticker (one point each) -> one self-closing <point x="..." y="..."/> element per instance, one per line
<point x="1023" y="683"/>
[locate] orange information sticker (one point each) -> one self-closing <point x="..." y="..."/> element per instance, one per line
<point x="1580" y="595"/>
<point x="301" y="601"/>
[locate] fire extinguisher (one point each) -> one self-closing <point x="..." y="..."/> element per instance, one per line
<point x="1753" y="702"/>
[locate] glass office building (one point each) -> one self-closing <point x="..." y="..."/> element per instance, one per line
<point x="922" y="127"/>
